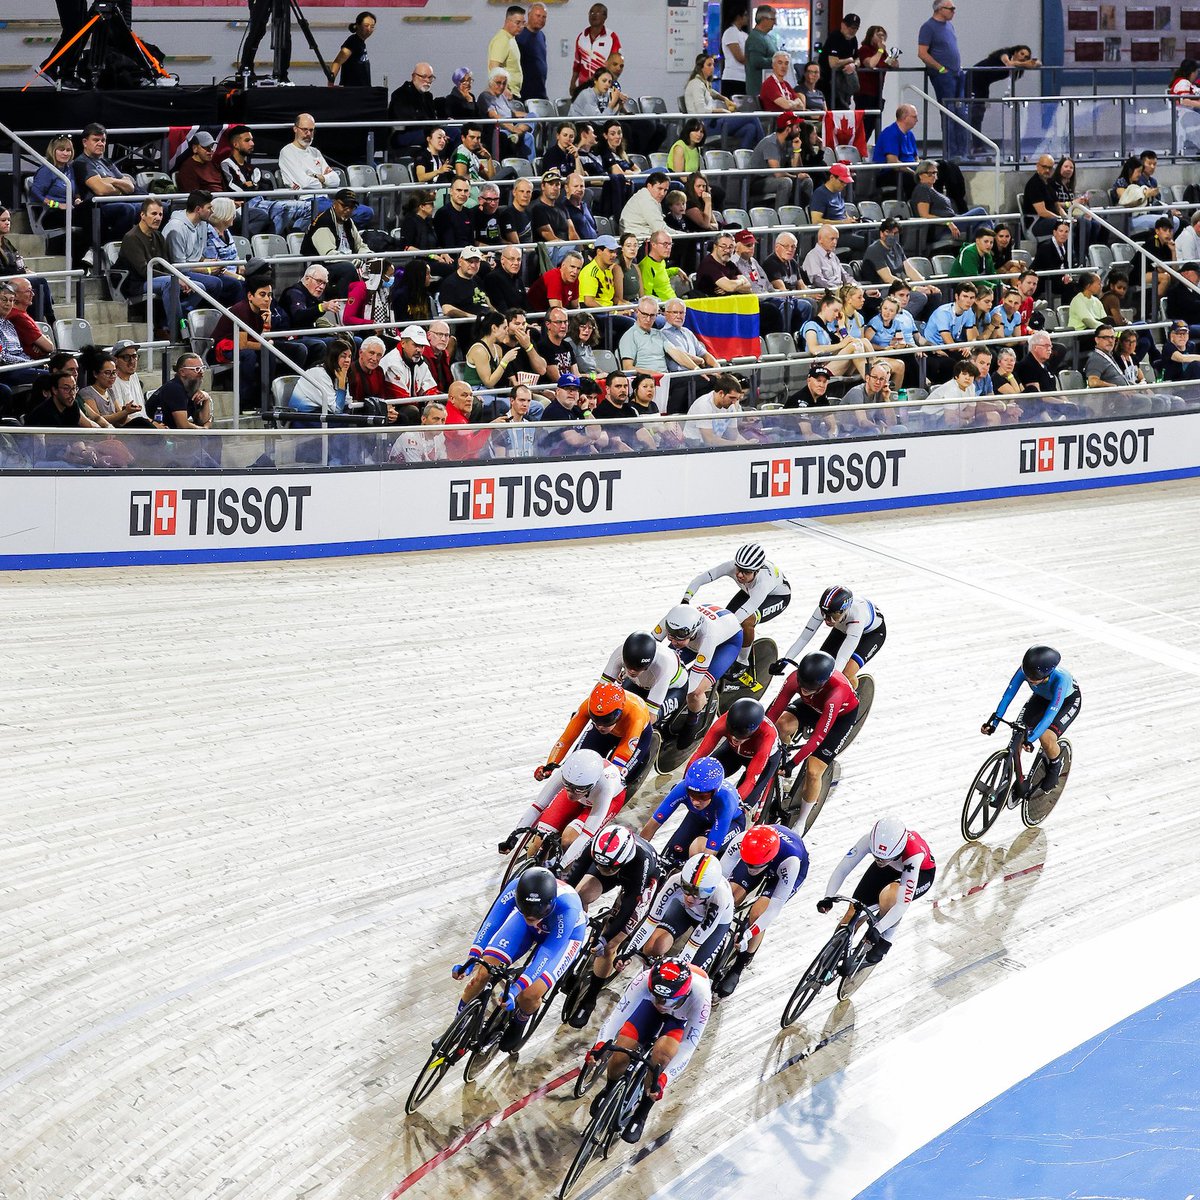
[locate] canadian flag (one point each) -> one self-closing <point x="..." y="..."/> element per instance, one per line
<point x="845" y="128"/>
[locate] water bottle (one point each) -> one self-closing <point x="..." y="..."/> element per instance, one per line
<point x="158" y="414"/>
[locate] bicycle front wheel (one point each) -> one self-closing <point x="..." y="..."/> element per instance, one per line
<point x="519" y="859"/>
<point x="445" y="1055"/>
<point x="591" y="1070"/>
<point x="821" y="971"/>
<point x="985" y="798"/>
<point x="594" y="1135"/>
<point x="1037" y="806"/>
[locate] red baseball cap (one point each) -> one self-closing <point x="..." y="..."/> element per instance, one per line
<point x="841" y="171"/>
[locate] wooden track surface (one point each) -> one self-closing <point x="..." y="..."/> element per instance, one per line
<point x="250" y="816"/>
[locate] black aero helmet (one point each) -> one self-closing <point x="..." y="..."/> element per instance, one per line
<point x="537" y="890"/>
<point x="743" y="718"/>
<point x="1039" y="661"/>
<point x="814" y="670"/>
<point x="835" y="600"/>
<point x="638" y="651"/>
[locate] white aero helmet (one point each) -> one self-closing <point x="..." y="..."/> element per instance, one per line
<point x="683" y="621"/>
<point x="581" y="770"/>
<point x="888" y="837"/>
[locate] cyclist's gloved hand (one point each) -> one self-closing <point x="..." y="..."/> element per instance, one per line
<point x="687" y="598"/>
<point x="594" y="1053"/>
<point x="778" y="666"/>
<point x="601" y="947"/>
<point x="824" y="905"/>
<point x="462" y="970"/>
<point x="1028" y="747"/>
<point x="509" y="842"/>
<point x="658" y="1088"/>
<point x="989" y="726"/>
<point x="745" y="940"/>
<point x="544" y="771"/>
<point x="510" y="1000"/>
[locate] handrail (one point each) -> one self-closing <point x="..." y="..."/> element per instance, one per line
<point x="946" y="112"/>
<point x="67" y="180"/>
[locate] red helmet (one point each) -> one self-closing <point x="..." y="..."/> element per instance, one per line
<point x="670" y="982"/>
<point x="759" y="846"/>
<point x="605" y="703"/>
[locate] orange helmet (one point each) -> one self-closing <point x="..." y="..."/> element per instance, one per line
<point x="605" y="703"/>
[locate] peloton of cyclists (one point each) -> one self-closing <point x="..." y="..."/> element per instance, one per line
<point x="826" y="703"/>
<point x="1055" y="703"/>
<point x="668" y="1005"/>
<point x="649" y="669"/>
<point x="533" y="912"/>
<point x="773" y="858"/>
<point x="615" y="858"/>
<point x="901" y="871"/>
<point x="713" y="811"/>
<point x="763" y="593"/>
<point x="858" y="632"/>
<point x="744" y="740"/>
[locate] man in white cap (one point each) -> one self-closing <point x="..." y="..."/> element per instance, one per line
<point x="406" y="374"/>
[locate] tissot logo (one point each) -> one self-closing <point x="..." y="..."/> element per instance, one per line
<point x="825" y="474"/>
<point x="503" y="497"/>
<point x="1085" y="451"/>
<point x="217" y="511"/>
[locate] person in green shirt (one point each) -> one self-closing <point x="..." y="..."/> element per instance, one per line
<point x="976" y="258"/>
<point x="761" y="45"/>
<point x="1087" y="309"/>
<point x="656" y="275"/>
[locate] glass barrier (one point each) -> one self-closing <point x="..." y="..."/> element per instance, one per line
<point x="786" y="421"/>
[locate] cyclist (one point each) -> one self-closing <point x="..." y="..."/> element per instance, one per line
<point x="667" y="1004"/>
<point x="589" y="793"/>
<point x="615" y="858"/>
<point x="707" y="640"/>
<point x="533" y="912"/>
<point x="745" y="740"/>
<point x="858" y="632"/>
<point x="902" y="870"/>
<point x="774" y="857"/>
<point x="1053" y="706"/>
<point x="713" y="809"/>
<point x="763" y="592"/>
<point x="826" y="703"/>
<point x="610" y="721"/>
<point x="696" y="899"/>
<point x="651" y="670"/>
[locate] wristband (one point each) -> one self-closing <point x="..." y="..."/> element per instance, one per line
<point x="941" y="70"/>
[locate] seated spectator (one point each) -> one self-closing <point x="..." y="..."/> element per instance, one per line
<point x="101" y="406"/>
<point x="952" y="325"/>
<point x="825" y="336"/>
<point x="1187" y="241"/>
<point x="1004" y="376"/>
<point x="487" y="358"/>
<point x="897" y="144"/>
<point x="643" y="214"/>
<point x="413" y="101"/>
<point x="516" y="223"/>
<point x="1053" y="254"/>
<point x="575" y="438"/>
<point x="585" y="335"/>
<point x="255" y="311"/>
<point x="1160" y="247"/>
<point x="431" y="164"/>
<point x="97" y="177"/>
<point x="370" y="301"/>
<point x="1183" y="302"/>
<point x="12" y="352"/>
<point x="219" y="246"/>
<point x="50" y="192"/>
<point x="366" y="378"/>
<point x="771" y="311"/>
<point x="596" y="286"/>
<point x="1127" y="358"/>
<point x="814" y="393"/>
<point x="810" y="88"/>
<point x="486" y="218"/>
<point x="600" y="99"/>
<point x="62" y="411"/>
<point x="575" y="206"/>
<point x="1086" y="312"/>
<point x="822" y="267"/>
<point x="855" y="417"/>
<point x="239" y="174"/>
<point x="461" y="294"/>
<point x="684" y="156"/>
<point x="439" y="354"/>
<point x="928" y="203"/>
<point x="852" y="298"/>
<point x="828" y="206"/>
<point x="186" y="235"/>
<point x="986" y="326"/>
<point x="406" y="373"/>
<point x="975" y="258"/>
<point x="960" y="388"/>
<point x="1178" y="362"/>
<point x="556" y="349"/>
<point x="505" y="286"/>
<point x="325" y="388"/>
<point x="1102" y="369"/>
<point x="563" y="156"/>
<point x="33" y="341"/>
<point x="334" y="235"/>
<point x="454" y="222"/>
<point x="420" y="444"/>
<point x="127" y="386"/>
<point x="699" y="198"/>
<point x="653" y="268"/>
<point x="1007" y="314"/>
<point x="700" y="99"/>
<point x="1039" y="203"/>
<point x="717" y="275"/>
<point x="1033" y="372"/>
<point x="645" y="348"/>
<point x="783" y="153"/>
<point x="527" y="360"/>
<point x="618" y="170"/>
<point x="1087" y="230"/>
<point x="142" y="243"/>
<point x="589" y="162"/>
<point x="777" y="94"/>
<point x="783" y="274"/>
<point x="459" y="104"/>
<point x="183" y="402"/>
<point x="726" y="398"/>
<point x="1132" y="195"/>
<point x="676" y="334"/>
<point x="885" y="263"/>
<point x="1116" y="288"/>
<point x="559" y="285"/>
<point x="519" y="434"/>
<point x="627" y="276"/>
<point x="464" y="408"/>
<point x="550" y="223"/>
<point x="303" y="168"/>
<point x="12" y="262"/>
<point x="500" y="105"/>
<point x="305" y="305"/>
<point x="616" y="406"/>
<point x="198" y="172"/>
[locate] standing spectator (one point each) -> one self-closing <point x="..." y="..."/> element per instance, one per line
<point x="1185" y="93"/>
<point x="700" y="98"/>
<point x="239" y="174"/>
<point x="96" y="177"/>
<point x="777" y="93"/>
<point x="781" y="152"/>
<point x="643" y="213"/>
<point x="186" y="235"/>
<point x="198" y="172"/>
<point x="1039" y="204"/>
<point x="937" y="48"/>
<point x="716" y="274"/>
<point x="352" y="64"/>
<point x="503" y="52"/>
<point x="839" y="63"/>
<point x="874" y="61"/>
<point x="497" y="104"/>
<point x="733" y="54"/>
<point x="303" y="168"/>
<point x="559" y="285"/>
<point x="593" y="46"/>
<point x="413" y="101"/>
<point x="1006" y="63"/>
<point x="897" y="144"/>
<point x="761" y="45"/>
<point x="531" y="41"/>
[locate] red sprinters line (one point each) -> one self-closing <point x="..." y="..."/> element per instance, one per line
<point x="466" y="1138"/>
<point x="980" y="886"/>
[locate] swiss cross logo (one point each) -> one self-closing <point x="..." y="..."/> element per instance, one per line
<point x="1045" y="454"/>
<point x="165" y="504"/>
<point x="153" y="514"/>
<point x="1037" y="454"/>
<point x="483" y="499"/>
<point x="771" y="478"/>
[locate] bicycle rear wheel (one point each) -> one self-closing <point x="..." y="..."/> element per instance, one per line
<point x="985" y="797"/>
<point x="832" y="773"/>
<point x="1037" y="806"/>
<point x="486" y="1044"/>
<point x="821" y="971"/>
<point x="444" y="1056"/>
<point x="636" y="780"/>
<point x="866" y="697"/>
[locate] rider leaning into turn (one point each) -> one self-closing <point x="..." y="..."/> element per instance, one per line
<point x="857" y="632"/>
<point x="712" y="810"/>
<point x="744" y="740"/>
<point x="649" y="669"/>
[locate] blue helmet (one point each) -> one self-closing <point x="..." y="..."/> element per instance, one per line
<point x="704" y="775"/>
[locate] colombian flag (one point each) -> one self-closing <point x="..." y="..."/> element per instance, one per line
<point x="727" y="325"/>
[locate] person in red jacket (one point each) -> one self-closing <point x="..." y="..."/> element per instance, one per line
<point x="745" y="740"/>
<point x="825" y="701"/>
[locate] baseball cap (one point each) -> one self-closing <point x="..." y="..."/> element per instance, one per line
<point x="552" y="175"/>
<point x="204" y="139"/>
<point x="1189" y="266"/>
<point x="851" y="19"/>
<point x="414" y="333"/>
<point x="606" y="242"/>
<point x="122" y="346"/>
<point x="568" y="381"/>
<point x="744" y="238"/>
<point x="1180" y="327"/>
<point x="841" y="171"/>
<point x="823" y="372"/>
<point x="472" y="252"/>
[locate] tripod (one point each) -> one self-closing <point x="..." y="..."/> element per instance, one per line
<point x="282" y="18"/>
<point x="88" y="53"/>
